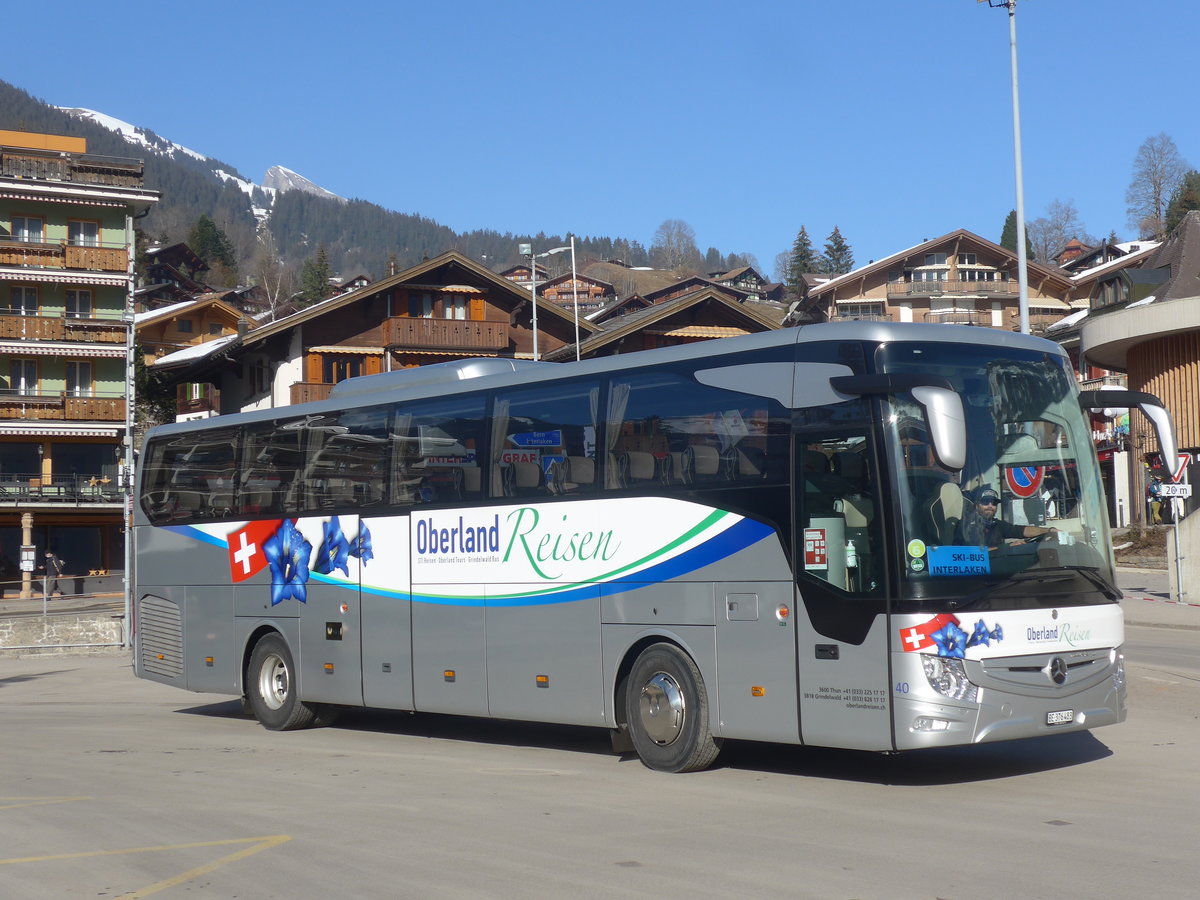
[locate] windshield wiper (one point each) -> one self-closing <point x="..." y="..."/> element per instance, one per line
<point x="1046" y="575"/>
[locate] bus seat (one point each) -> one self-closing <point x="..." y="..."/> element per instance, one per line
<point x="678" y="472"/>
<point x="945" y="510"/>
<point x="639" y="466"/>
<point x="702" y="461"/>
<point x="580" y="470"/>
<point x="527" y="477"/>
<point x="614" y="477"/>
<point x="472" y="480"/>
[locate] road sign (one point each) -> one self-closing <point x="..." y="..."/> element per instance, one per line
<point x="1182" y="463"/>
<point x="1175" y="490"/>
<point x="1024" y="481"/>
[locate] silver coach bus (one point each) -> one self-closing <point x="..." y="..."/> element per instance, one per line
<point x="773" y="537"/>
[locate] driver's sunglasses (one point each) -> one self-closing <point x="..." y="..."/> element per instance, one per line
<point x="989" y="503"/>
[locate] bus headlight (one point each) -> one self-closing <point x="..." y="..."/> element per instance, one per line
<point x="949" y="678"/>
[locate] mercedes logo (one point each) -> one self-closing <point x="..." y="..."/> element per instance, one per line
<point x="1057" y="670"/>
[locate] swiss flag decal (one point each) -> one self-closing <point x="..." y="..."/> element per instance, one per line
<point x="919" y="637"/>
<point x="246" y="557"/>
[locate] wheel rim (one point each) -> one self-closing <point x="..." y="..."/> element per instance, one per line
<point x="273" y="681"/>
<point x="661" y="709"/>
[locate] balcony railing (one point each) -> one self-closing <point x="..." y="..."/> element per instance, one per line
<point x="958" y="317"/>
<point x="30" y="487"/>
<point x="1104" y="381"/>
<point x="62" y="407"/>
<point x="100" y="327"/>
<point x="102" y="257"/>
<point x="860" y="317"/>
<point x="940" y="288"/>
<point x="81" y="168"/>
<point x="186" y="405"/>
<point x="445" y="334"/>
<point x="305" y="391"/>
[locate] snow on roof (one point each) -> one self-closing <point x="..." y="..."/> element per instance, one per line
<point x="196" y="351"/>
<point x="1145" y="301"/>
<point x="138" y="318"/>
<point x="1068" y="321"/>
<point x="1119" y="262"/>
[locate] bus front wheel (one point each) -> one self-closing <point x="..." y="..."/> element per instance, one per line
<point x="271" y="688"/>
<point x="667" y="707"/>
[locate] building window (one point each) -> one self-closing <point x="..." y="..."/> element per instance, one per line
<point x="454" y="306"/>
<point x="935" y="259"/>
<point x="79" y="379"/>
<point x="22" y="301"/>
<point x="214" y="328"/>
<point x="339" y="368"/>
<point x="79" y="304"/>
<point x="27" y="229"/>
<point x="83" y="234"/>
<point x="968" y="259"/>
<point x="23" y="377"/>
<point x="184" y="326"/>
<point x="420" y="305"/>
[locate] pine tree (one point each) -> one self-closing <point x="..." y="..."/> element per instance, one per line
<point x="1008" y="237"/>
<point x="210" y="243"/>
<point x="838" y="258"/>
<point x="1185" y="198"/>
<point x="314" y="277"/>
<point x="801" y="261"/>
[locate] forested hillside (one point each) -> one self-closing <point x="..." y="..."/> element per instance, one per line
<point x="358" y="236"/>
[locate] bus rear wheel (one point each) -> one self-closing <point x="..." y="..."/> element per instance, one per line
<point x="272" y="691"/>
<point x="667" y="707"/>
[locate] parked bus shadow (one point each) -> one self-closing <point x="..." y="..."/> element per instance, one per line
<point x="917" y="768"/>
<point x="921" y="768"/>
<point x="32" y="676"/>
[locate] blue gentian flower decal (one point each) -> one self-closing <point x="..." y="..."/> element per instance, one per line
<point x="287" y="553"/>
<point x="334" y="549"/>
<point x="997" y="633"/>
<point x="981" y="635"/>
<point x="951" y="641"/>
<point x="361" y="546"/>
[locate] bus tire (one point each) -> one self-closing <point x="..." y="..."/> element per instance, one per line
<point x="272" y="690"/>
<point x="667" y="707"/>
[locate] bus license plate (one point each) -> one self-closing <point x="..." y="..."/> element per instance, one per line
<point x="1060" y="717"/>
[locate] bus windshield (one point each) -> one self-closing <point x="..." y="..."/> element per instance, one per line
<point x="1023" y="523"/>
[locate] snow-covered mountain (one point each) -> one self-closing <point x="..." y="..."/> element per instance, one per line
<point x="281" y="179"/>
<point x="277" y="178"/>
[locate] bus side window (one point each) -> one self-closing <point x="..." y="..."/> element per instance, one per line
<point x="436" y="452"/>
<point x="544" y="440"/>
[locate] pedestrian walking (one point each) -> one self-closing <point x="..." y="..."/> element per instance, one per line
<point x="54" y="570"/>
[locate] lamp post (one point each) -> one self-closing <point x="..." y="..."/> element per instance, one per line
<point x="1022" y="261"/>
<point x="527" y="250"/>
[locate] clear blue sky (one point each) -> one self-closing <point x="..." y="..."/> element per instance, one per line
<point x="888" y="118"/>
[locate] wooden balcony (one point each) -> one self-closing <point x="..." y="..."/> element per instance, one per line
<point x="209" y="401"/>
<point x="901" y="289"/>
<point x="61" y="328"/>
<point x="61" y="407"/>
<point x="61" y="255"/>
<point x="445" y="334"/>
<point x="1104" y="381"/>
<point x="80" y="168"/>
<point x="307" y="391"/>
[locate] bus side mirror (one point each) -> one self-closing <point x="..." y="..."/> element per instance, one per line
<point x="947" y="424"/>
<point x="943" y="408"/>
<point x="1151" y="407"/>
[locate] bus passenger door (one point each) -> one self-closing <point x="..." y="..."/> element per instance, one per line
<point x="330" y="644"/>
<point x="386" y="602"/>
<point x="841" y="616"/>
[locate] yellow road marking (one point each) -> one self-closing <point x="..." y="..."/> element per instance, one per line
<point x="19" y="802"/>
<point x="258" y="844"/>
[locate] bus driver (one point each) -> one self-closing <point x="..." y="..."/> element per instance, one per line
<point x="981" y="527"/>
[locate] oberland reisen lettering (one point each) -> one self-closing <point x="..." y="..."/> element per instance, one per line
<point x="541" y="546"/>
<point x="461" y="538"/>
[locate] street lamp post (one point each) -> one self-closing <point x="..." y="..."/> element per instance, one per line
<point x="1022" y="261"/>
<point x="527" y="250"/>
